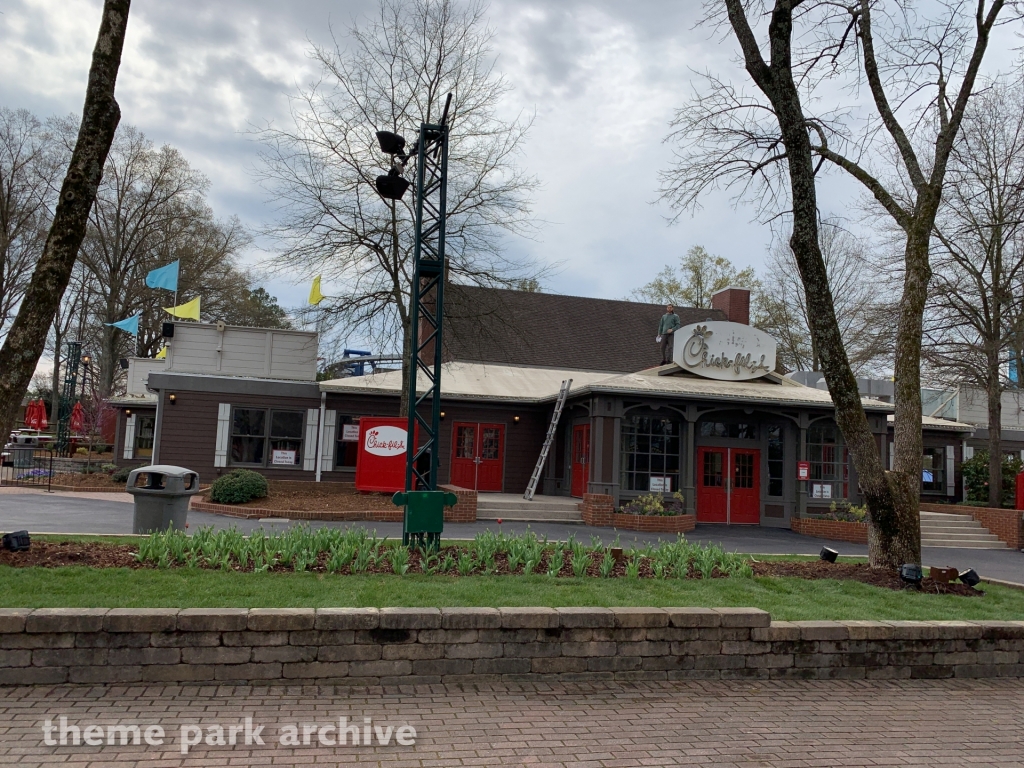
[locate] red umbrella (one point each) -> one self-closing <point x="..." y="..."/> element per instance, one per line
<point x="43" y="423"/>
<point x="77" y="418"/>
<point x="30" y="414"/>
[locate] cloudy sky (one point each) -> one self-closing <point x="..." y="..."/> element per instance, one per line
<point x="604" y="77"/>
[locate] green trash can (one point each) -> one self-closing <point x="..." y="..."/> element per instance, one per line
<point x="161" y="494"/>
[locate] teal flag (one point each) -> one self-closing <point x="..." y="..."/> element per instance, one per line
<point x="129" y="324"/>
<point x="164" y="277"/>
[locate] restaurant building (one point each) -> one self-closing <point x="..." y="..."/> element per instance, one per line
<point x="740" y="443"/>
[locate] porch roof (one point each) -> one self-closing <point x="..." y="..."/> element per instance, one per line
<point x="488" y="381"/>
<point x="477" y="381"/>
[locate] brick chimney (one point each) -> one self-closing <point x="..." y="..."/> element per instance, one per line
<point x="735" y="302"/>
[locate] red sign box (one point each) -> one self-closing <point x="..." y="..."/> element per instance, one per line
<point x="380" y="463"/>
<point x="803" y="470"/>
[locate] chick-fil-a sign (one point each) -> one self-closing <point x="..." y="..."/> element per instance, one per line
<point x="380" y="464"/>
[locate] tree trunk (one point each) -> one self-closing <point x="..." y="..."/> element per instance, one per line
<point x="891" y="505"/>
<point x="100" y="115"/>
<point x="995" y="431"/>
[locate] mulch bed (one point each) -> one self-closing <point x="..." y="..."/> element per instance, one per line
<point x="96" y="480"/>
<point x="48" y="554"/>
<point x="862" y="572"/>
<point x="318" y="499"/>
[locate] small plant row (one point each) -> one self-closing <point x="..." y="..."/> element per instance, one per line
<point x="358" y="551"/>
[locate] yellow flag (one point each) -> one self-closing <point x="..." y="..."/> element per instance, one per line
<point x="161" y="355"/>
<point x="315" y="297"/>
<point x="186" y="311"/>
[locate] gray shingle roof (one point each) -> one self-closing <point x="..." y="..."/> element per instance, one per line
<point x="493" y="325"/>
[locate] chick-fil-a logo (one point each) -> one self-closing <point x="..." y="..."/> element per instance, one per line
<point x="385" y="441"/>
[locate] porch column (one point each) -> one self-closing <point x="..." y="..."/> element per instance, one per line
<point x="801" y="493"/>
<point x="689" y="460"/>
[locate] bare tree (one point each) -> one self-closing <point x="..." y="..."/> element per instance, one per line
<point x="396" y="73"/>
<point x="147" y="195"/>
<point x="977" y="298"/>
<point x="695" y="281"/>
<point x="919" y="71"/>
<point x="780" y="306"/>
<point x="27" y="178"/>
<point x="26" y="338"/>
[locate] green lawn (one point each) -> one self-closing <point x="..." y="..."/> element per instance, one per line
<point x="784" y="598"/>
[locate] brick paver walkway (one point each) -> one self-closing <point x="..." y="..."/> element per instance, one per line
<point x="722" y="723"/>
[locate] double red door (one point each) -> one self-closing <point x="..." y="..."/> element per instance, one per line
<point x="478" y="455"/>
<point x="729" y="485"/>
<point x="580" y="459"/>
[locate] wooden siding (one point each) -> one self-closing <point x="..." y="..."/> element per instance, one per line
<point x="256" y="352"/>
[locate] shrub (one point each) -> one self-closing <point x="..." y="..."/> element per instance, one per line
<point x="238" y="487"/>
<point x="83" y="451"/>
<point x="975" y="471"/>
<point x="109" y="468"/>
<point x="121" y="475"/>
<point x="845" y="512"/>
<point x="654" y="505"/>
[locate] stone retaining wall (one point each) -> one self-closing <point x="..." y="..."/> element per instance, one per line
<point x="416" y="646"/>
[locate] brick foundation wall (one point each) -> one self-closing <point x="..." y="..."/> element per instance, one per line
<point x="1007" y="524"/>
<point x="837" y="530"/>
<point x="464" y="510"/>
<point x="655" y="523"/>
<point x="597" y="509"/>
<point x="420" y="646"/>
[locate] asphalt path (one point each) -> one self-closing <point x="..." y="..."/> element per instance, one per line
<point x="41" y="512"/>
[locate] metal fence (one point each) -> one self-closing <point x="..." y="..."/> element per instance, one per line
<point x="27" y="466"/>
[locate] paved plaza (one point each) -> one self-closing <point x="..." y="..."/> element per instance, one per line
<point x="722" y="723"/>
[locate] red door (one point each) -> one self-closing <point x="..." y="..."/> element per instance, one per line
<point x="712" y="497"/>
<point x="492" y="457"/>
<point x="729" y="486"/>
<point x="580" y="459"/>
<point x="478" y="456"/>
<point x="464" y="455"/>
<point x="745" y="488"/>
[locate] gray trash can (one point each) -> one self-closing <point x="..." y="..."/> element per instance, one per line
<point x="161" y="496"/>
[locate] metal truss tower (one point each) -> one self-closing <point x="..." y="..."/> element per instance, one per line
<point x="427" y="305"/>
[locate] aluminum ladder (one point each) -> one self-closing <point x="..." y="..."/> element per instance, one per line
<point x="563" y="395"/>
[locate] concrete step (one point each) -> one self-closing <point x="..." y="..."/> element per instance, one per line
<point x="541" y="508"/>
<point x="961" y="544"/>
<point x="535" y="516"/>
<point x="952" y="528"/>
<point x="981" y="536"/>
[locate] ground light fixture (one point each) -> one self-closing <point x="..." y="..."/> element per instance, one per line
<point x="828" y="554"/>
<point x="911" y="573"/>
<point x="17" y="541"/>
<point x="970" y="577"/>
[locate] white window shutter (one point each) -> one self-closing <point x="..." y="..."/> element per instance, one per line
<point x="330" y="435"/>
<point x="950" y="471"/>
<point x="220" y="454"/>
<point x="309" y="446"/>
<point x="129" y="438"/>
<point x="968" y="452"/>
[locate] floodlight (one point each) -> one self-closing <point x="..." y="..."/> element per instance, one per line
<point x="17" y="541"/>
<point x="970" y="577"/>
<point x="390" y="143"/>
<point x="392" y="186"/>
<point x="911" y="573"/>
<point x="828" y="554"/>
